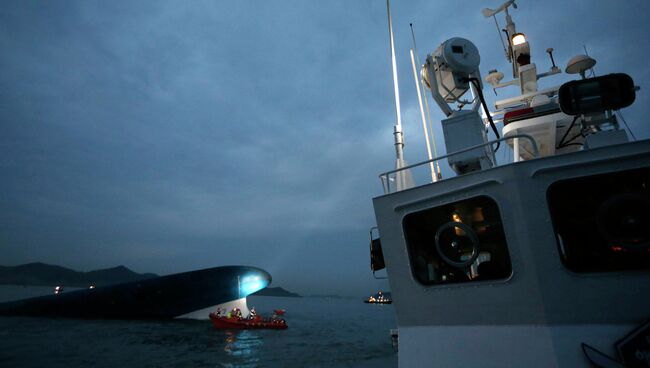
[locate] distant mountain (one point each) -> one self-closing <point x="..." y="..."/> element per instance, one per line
<point x="51" y="275"/>
<point x="276" y="291"/>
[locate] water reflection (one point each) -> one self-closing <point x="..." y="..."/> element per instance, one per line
<point x="243" y="347"/>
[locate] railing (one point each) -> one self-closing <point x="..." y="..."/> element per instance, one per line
<point x="385" y="179"/>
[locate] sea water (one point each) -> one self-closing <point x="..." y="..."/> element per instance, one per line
<point x="323" y="332"/>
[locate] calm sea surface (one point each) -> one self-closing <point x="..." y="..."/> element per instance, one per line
<point x="323" y="332"/>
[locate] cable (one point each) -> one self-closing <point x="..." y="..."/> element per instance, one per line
<point x="561" y="144"/>
<point x="487" y="111"/>
<point x="593" y="71"/>
<point x="572" y="139"/>
<point x="625" y="122"/>
<point x="500" y="37"/>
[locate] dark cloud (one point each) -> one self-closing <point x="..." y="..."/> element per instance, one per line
<point x="170" y="136"/>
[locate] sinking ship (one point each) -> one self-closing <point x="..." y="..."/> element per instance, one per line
<point x="183" y="295"/>
<point x="539" y="260"/>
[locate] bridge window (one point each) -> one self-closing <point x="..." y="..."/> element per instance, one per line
<point x="458" y="242"/>
<point x="602" y="222"/>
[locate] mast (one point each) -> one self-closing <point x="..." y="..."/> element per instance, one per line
<point x="403" y="178"/>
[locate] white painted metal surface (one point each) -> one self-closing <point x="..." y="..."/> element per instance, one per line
<point x="542" y="313"/>
<point x="204" y="313"/>
<point x="487" y="346"/>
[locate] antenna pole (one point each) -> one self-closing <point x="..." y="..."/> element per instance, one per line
<point x="397" y="131"/>
<point x="424" y="123"/>
<point x="593" y="72"/>
<point x="403" y="179"/>
<point x="426" y="107"/>
<point x="394" y="64"/>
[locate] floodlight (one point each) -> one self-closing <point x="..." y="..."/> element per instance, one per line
<point x="518" y="39"/>
<point x="592" y="95"/>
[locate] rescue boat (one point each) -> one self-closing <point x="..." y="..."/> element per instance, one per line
<point x="256" y="322"/>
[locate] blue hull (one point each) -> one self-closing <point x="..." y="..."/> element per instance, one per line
<point x="158" y="298"/>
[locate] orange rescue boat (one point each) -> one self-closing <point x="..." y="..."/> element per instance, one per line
<point x="256" y="322"/>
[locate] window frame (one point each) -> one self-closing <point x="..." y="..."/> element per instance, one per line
<point x="458" y="284"/>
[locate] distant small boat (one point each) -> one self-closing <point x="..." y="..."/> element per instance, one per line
<point x="379" y="298"/>
<point x="257" y="322"/>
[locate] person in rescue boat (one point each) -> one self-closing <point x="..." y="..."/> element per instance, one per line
<point x="237" y="313"/>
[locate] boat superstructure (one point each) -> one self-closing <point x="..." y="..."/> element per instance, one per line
<point x="543" y="261"/>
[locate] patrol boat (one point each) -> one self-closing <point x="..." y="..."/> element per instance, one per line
<point x="541" y="261"/>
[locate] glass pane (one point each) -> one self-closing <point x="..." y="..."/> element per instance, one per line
<point x="458" y="242"/>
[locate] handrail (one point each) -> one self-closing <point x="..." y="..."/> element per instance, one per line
<point x="384" y="176"/>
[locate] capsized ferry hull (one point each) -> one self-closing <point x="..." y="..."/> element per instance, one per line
<point x="158" y="298"/>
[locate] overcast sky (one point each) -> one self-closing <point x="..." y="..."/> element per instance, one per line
<point x="169" y="136"/>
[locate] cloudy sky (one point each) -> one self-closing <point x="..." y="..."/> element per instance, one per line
<point x="169" y="136"/>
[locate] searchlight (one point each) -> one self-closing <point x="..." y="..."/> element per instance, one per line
<point x="251" y="283"/>
<point x="518" y="39"/>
